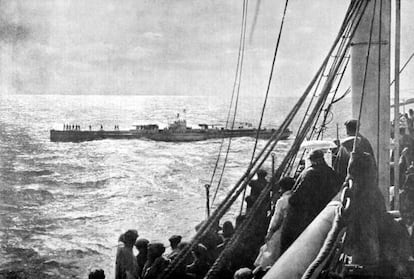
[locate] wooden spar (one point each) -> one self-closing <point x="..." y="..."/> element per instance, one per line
<point x="397" y="106"/>
<point x="375" y="115"/>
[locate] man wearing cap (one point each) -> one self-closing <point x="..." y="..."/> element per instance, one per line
<point x="174" y="241"/>
<point x="346" y="147"/>
<point x="243" y="273"/>
<point x="126" y="263"/>
<point x="142" y="246"/>
<point x="314" y="189"/>
<point x="270" y="252"/>
<point x="156" y="263"/>
<point x="256" y="187"/>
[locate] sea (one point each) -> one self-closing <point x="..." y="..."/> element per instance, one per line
<point x="64" y="205"/>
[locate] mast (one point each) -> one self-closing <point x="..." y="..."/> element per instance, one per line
<point x="375" y="114"/>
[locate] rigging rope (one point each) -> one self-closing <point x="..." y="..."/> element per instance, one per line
<point x="327" y="110"/>
<point x="256" y="15"/>
<point x="342" y="72"/>
<point x="340" y="49"/>
<point x="353" y="6"/>
<point x="348" y="90"/>
<point x="329" y="107"/>
<point x="405" y="65"/>
<point x="365" y="76"/>
<point x="294" y="148"/>
<point x="267" y="92"/>
<point x="270" y="78"/>
<point x="237" y="80"/>
<point x="258" y="161"/>
<point x="379" y="75"/>
<point x="338" y="224"/>
<point x="263" y="195"/>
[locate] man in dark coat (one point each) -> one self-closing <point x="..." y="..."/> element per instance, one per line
<point x="174" y="241"/>
<point x="314" y="189"/>
<point x="142" y="246"/>
<point x="126" y="263"/>
<point x="346" y="147"/>
<point x="256" y="187"/>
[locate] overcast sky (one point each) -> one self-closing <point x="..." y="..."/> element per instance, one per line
<point x="180" y="47"/>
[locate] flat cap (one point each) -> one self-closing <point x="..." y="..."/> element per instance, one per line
<point x="351" y="123"/>
<point x="316" y="154"/>
<point x="141" y="243"/>
<point x="261" y="172"/>
<point x="175" y="238"/>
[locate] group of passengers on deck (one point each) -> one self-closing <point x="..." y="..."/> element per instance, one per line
<point x="153" y="258"/>
<point x="291" y="206"/>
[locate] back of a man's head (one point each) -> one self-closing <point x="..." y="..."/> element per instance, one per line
<point x="261" y="173"/>
<point x="130" y="236"/>
<point x="174" y="241"/>
<point x="351" y="127"/>
<point x="142" y="244"/>
<point x="97" y="274"/>
<point x="316" y="155"/>
<point x="286" y="183"/>
<point x="243" y="273"/>
<point x="228" y="229"/>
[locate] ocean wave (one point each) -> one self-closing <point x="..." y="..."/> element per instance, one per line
<point x="15" y="198"/>
<point x="81" y="252"/>
<point x="27" y="263"/>
<point x="67" y="199"/>
<point x="69" y="218"/>
<point x="99" y="183"/>
<point x="27" y="173"/>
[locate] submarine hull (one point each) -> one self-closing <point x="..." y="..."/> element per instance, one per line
<point x="160" y="135"/>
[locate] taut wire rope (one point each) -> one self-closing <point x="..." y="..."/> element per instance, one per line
<point x="236" y="84"/>
<point x="348" y="90"/>
<point x="294" y="148"/>
<point x="338" y="223"/>
<point x="379" y="76"/>
<point x="340" y="49"/>
<point x="258" y="161"/>
<point x="272" y="69"/>
<point x="365" y="78"/>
